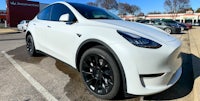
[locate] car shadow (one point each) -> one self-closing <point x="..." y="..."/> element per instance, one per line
<point x="196" y="66"/>
<point x="185" y="84"/>
<point x="178" y="33"/>
<point x="21" y="54"/>
<point x="76" y="89"/>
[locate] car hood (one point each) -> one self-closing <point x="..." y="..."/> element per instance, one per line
<point x="146" y="31"/>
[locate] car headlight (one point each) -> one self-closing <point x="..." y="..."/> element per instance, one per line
<point x="139" y="41"/>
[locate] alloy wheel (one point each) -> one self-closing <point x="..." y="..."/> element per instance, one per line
<point x="98" y="74"/>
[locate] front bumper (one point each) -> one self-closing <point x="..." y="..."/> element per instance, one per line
<point x="160" y="83"/>
<point x="149" y="71"/>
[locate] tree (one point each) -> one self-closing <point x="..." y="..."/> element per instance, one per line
<point x="110" y="4"/>
<point x="155" y="12"/>
<point x="92" y="4"/>
<point x="141" y="14"/>
<point x="198" y="10"/>
<point x="173" y="6"/>
<point x="125" y="8"/>
<point x="107" y="4"/>
<point x="122" y="8"/>
<point x="134" y="9"/>
<point x="184" y="10"/>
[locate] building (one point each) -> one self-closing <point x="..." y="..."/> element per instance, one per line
<point x="2" y="16"/>
<point x="188" y="17"/>
<point x="18" y="10"/>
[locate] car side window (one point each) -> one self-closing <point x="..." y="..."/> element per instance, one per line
<point x="58" y="10"/>
<point x="158" y="23"/>
<point x="152" y="22"/>
<point x="21" y="22"/>
<point x="45" y="13"/>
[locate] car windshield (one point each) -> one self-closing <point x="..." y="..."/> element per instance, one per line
<point x="27" y="21"/>
<point x="91" y="12"/>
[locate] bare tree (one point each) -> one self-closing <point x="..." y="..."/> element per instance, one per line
<point x="141" y="14"/>
<point x="134" y="9"/>
<point x="198" y="10"/>
<point x="107" y="4"/>
<point x="122" y="8"/>
<point x="185" y="10"/>
<point x="173" y="6"/>
<point x="125" y="8"/>
<point x="92" y="3"/>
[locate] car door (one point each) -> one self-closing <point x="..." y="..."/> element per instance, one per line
<point x="61" y="35"/>
<point x="41" y="29"/>
<point x="158" y="24"/>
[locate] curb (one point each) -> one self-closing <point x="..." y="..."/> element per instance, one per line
<point x="8" y="30"/>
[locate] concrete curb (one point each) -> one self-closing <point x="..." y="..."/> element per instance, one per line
<point x="8" y="30"/>
<point x="194" y="43"/>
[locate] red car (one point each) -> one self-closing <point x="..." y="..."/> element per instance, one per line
<point x="189" y="26"/>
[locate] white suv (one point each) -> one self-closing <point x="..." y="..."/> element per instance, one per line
<point x="112" y="55"/>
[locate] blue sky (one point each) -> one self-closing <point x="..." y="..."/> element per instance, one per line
<point x="145" y="5"/>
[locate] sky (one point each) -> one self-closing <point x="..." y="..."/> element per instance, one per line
<point x="145" y="5"/>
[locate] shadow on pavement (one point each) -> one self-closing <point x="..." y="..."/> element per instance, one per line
<point x="183" y="87"/>
<point x="21" y="54"/>
<point x="196" y="66"/>
<point x="75" y="88"/>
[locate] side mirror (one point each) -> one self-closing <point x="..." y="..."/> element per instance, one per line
<point x="64" y="18"/>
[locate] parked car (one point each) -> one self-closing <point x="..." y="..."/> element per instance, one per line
<point x="111" y="54"/>
<point x="167" y="27"/>
<point x="196" y="24"/>
<point x="22" y="26"/>
<point x="183" y="26"/>
<point x="176" y="24"/>
<point x="162" y="25"/>
<point x="189" y="26"/>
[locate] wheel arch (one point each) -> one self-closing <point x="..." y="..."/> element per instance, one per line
<point x="28" y="33"/>
<point x="95" y="42"/>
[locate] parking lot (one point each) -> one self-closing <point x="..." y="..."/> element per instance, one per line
<point x="25" y="78"/>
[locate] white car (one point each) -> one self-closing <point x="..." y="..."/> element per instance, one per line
<point x="22" y="26"/>
<point x="112" y="55"/>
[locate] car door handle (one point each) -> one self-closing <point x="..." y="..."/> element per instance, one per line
<point x="34" y="24"/>
<point x="49" y="26"/>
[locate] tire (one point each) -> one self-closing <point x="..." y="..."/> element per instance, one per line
<point x="100" y="73"/>
<point x="168" y="30"/>
<point x="30" y="47"/>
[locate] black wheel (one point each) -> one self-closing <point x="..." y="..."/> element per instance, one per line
<point x="30" y="46"/>
<point x="100" y="73"/>
<point x="168" y="30"/>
